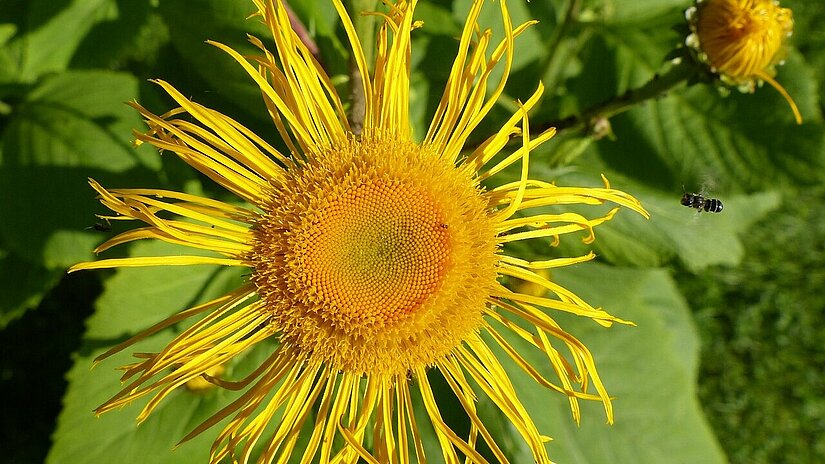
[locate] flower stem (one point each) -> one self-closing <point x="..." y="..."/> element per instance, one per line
<point x="654" y="88"/>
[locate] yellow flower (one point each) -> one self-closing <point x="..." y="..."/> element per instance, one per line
<point x="373" y="258"/>
<point x="742" y="41"/>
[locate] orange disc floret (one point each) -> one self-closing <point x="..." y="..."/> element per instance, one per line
<point x="375" y="252"/>
<point x="363" y="251"/>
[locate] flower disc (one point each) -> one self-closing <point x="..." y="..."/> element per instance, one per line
<point x="362" y="252"/>
<point x="743" y="37"/>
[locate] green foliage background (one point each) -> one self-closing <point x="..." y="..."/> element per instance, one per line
<point x="726" y="363"/>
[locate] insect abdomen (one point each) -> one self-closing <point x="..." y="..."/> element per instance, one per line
<point x="712" y="205"/>
<point x="697" y="201"/>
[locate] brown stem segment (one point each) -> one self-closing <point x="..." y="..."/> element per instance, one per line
<point x="302" y="32"/>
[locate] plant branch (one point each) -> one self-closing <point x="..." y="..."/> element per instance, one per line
<point x="656" y="87"/>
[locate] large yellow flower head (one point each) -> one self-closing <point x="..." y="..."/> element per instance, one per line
<point x="742" y="40"/>
<point x="373" y="258"/>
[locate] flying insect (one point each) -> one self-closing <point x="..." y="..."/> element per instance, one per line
<point x="700" y="203"/>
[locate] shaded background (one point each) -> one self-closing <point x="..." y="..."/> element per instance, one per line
<point x="727" y="361"/>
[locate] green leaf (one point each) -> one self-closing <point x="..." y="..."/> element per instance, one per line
<point x="620" y="12"/>
<point x="529" y="44"/>
<point x="7" y="31"/>
<point x="134" y="299"/>
<point x="70" y="127"/>
<point x="24" y="285"/>
<point x="622" y="54"/>
<point x="48" y="34"/>
<point x="7" y="64"/>
<point x="809" y="37"/>
<point x="673" y="232"/>
<point x="742" y="141"/>
<point x="698" y="240"/>
<point x="650" y="370"/>
<point x="119" y="37"/>
<point x="224" y="83"/>
<point x="438" y="20"/>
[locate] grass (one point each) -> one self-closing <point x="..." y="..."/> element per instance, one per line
<point x="762" y="378"/>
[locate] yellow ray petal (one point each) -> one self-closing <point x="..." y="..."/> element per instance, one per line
<point x="144" y="261"/>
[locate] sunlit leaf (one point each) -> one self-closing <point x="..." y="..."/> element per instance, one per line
<point x="133" y="300"/>
<point x="48" y="34"/>
<point x="70" y="127"/>
<point x="650" y="370"/>
<point x="24" y="285"/>
<point x="218" y="79"/>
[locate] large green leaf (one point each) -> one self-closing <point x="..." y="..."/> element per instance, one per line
<point x="24" y="285"/>
<point x="673" y="232"/>
<point x="697" y="240"/>
<point x="621" y="12"/>
<point x="809" y="36"/>
<point x="48" y="34"/>
<point x="743" y="142"/>
<point x="70" y="127"/>
<point x="622" y="54"/>
<point x="650" y="370"/>
<point x="219" y="80"/>
<point x="7" y="60"/>
<point x="740" y="142"/>
<point x="122" y="36"/>
<point x="133" y="300"/>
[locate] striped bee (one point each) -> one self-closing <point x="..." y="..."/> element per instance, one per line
<point x="696" y="200"/>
